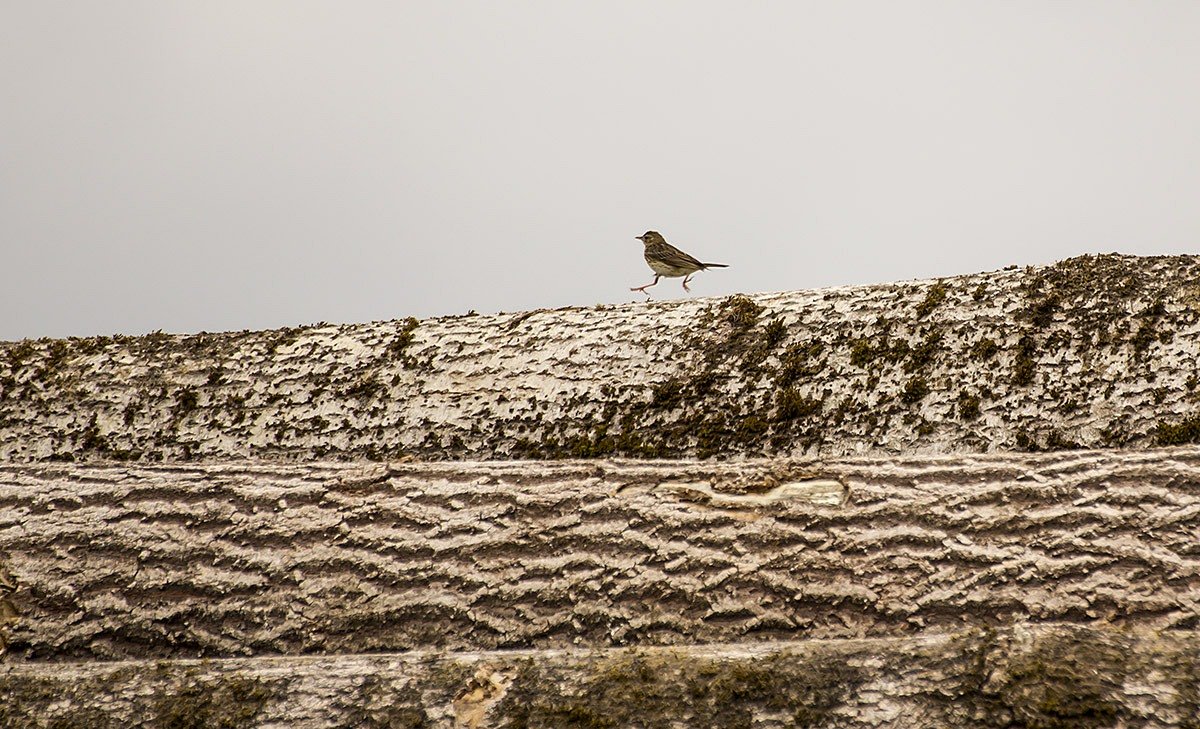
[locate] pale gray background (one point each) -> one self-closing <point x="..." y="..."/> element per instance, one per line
<point x="209" y="165"/>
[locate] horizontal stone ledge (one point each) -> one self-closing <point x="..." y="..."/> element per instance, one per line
<point x="1093" y="352"/>
<point x="1032" y="676"/>
<point x="246" y="558"/>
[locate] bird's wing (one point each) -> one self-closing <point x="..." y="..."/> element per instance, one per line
<point x="671" y="255"/>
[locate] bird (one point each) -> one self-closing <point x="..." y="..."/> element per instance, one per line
<point x="667" y="260"/>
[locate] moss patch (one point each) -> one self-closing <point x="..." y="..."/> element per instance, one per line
<point x="398" y="348"/>
<point x="984" y="349"/>
<point x="1178" y="433"/>
<point x="1149" y="328"/>
<point x="1065" y="684"/>
<point x="790" y="404"/>
<point x="229" y="703"/>
<point x="739" y="312"/>
<point x="1024" y="362"/>
<point x="655" y="692"/>
<point x="933" y="298"/>
<point x="914" y="391"/>
<point x="968" y="406"/>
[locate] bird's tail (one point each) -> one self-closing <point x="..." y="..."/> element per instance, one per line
<point x="716" y="265"/>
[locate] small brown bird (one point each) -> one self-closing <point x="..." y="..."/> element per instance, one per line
<point x="667" y="260"/>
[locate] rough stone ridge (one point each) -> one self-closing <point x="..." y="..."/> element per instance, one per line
<point x="1096" y="351"/>
<point x="808" y="509"/>
<point x="117" y="562"/>
<point x="1048" y="677"/>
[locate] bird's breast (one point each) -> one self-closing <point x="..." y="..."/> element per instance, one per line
<point x="662" y="268"/>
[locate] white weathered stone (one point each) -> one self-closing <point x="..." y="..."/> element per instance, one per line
<point x="1092" y="352"/>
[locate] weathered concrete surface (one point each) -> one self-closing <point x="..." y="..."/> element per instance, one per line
<point x="847" y="586"/>
<point x="1091" y="352"/>
<point x="240" y="559"/>
<point x="1048" y="676"/>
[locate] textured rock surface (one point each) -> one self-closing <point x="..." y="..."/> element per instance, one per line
<point x="1091" y="352"/>
<point x="865" y="581"/>
<point x="223" y="560"/>
<point x="1047" y="676"/>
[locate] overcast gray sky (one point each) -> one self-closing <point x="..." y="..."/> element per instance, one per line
<point x="208" y="165"/>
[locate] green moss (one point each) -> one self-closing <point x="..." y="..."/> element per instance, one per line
<point x="737" y="341"/>
<point x="774" y="333"/>
<point x="381" y="705"/>
<point x="791" y="405"/>
<point x="1041" y="311"/>
<point x="1148" y="332"/>
<point x="750" y="429"/>
<point x="1094" y="294"/>
<point x="712" y="434"/>
<point x="90" y="438"/>
<point x="1061" y="681"/>
<point x="185" y="401"/>
<point x="596" y="445"/>
<point x="19" y="353"/>
<point x="57" y="351"/>
<point x="659" y="691"/>
<point x="732" y="689"/>
<point x="227" y="703"/>
<point x="923" y="354"/>
<point x="1056" y="441"/>
<point x="701" y="383"/>
<point x="398" y="347"/>
<point x="861" y="352"/>
<point x="739" y="312"/>
<point x="678" y="419"/>
<point x="968" y="406"/>
<point x="667" y="394"/>
<point x="933" y="298"/>
<point x="1024" y="364"/>
<point x="1116" y="434"/>
<point x="1065" y="684"/>
<point x="984" y="349"/>
<point x="799" y="362"/>
<point x="23" y="702"/>
<point x="867" y="352"/>
<point x="1026" y="442"/>
<point x="914" y="391"/>
<point x="1178" y="433"/>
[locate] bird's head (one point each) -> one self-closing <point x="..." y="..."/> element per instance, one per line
<point x="651" y="237"/>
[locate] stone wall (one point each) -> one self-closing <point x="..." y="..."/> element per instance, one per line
<point x="1048" y="590"/>
<point x="121" y="562"/>
<point x="1093" y="352"/>
<point x="969" y="502"/>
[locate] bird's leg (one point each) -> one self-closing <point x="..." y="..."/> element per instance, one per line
<point x="685" y="280"/>
<point x="643" y="288"/>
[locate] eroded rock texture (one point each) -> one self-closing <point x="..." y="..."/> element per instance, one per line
<point x="124" y="562"/>
<point x="1060" y="677"/>
<point x="1091" y="352"/>
<point x="255" y="530"/>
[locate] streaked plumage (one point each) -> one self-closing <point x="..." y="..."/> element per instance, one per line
<point x="667" y="260"/>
